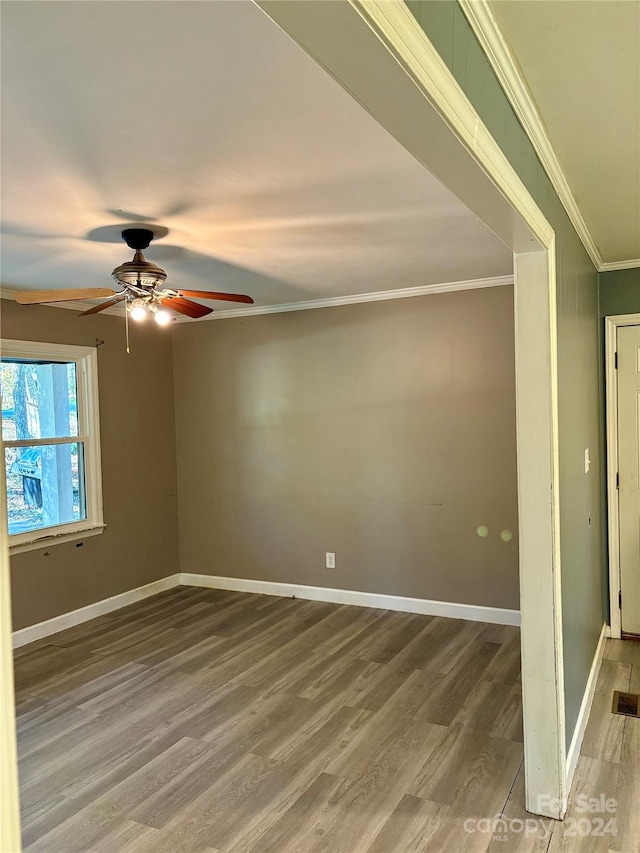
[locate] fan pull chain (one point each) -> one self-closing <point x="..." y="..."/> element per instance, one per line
<point x="126" y="325"/>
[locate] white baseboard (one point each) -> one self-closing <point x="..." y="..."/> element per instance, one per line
<point x="585" y="708"/>
<point x="98" y="608"/>
<point x="474" y="612"/>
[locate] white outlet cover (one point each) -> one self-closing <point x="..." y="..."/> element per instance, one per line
<point x="330" y="560"/>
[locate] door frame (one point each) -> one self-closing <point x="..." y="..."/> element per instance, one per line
<point x="611" y="326"/>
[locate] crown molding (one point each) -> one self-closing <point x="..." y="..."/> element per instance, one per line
<point x="610" y="266"/>
<point x="488" y="33"/>
<point x="329" y="302"/>
<point x="354" y="299"/>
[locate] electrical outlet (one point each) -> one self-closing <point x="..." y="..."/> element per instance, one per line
<point x="587" y="461"/>
<point x="331" y="560"/>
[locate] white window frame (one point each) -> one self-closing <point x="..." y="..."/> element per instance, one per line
<point x="86" y="361"/>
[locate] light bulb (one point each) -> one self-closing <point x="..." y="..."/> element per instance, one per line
<point x="138" y="313"/>
<point x="163" y="318"/>
<point x="138" y="310"/>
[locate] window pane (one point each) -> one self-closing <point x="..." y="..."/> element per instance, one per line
<point x="39" y="399"/>
<point x="45" y="485"/>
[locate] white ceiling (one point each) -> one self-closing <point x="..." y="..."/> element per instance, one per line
<point x="581" y="61"/>
<point x="207" y="119"/>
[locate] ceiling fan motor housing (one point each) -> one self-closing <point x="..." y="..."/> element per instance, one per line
<point x="138" y="272"/>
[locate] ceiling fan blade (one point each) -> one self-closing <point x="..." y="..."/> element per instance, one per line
<point x="33" y="297"/>
<point x="96" y="308"/>
<point x="212" y="294"/>
<point x="185" y="306"/>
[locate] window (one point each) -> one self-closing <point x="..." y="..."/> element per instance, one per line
<point x="50" y="442"/>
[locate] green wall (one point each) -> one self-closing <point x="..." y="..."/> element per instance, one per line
<point x="578" y="349"/>
<point x="619" y="292"/>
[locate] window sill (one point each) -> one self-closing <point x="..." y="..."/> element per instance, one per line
<point x="45" y="542"/>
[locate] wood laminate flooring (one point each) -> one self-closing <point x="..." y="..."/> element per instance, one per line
<point x="208" y="721"/>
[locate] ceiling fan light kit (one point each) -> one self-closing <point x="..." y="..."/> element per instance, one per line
<point x="139" y="280"/>
<point x="139" y="310"/>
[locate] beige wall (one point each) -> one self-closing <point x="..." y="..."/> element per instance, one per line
<point x="140" y="542"/>
<point x="384" y="432"/>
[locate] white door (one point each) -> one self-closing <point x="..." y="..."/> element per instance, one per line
<point x="629" y="471"/>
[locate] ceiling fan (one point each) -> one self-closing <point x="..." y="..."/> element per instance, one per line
<point x="139" y="279"/>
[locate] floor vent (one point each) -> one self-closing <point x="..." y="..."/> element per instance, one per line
<point x="626" y="703"/>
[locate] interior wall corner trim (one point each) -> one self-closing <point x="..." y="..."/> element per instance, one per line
<point x="23" y="636"/>
<point x="573" y="752"/>
<point x="404" y="604"/>
<point x="493" y="43"/>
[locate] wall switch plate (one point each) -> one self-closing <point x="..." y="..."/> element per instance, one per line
<point x="587" y="461"/>
<point x="331" y="560"/>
